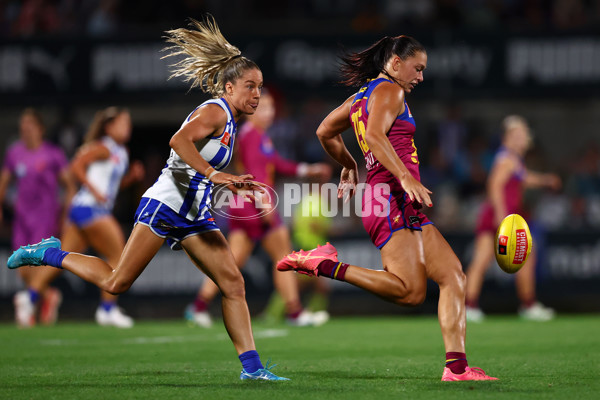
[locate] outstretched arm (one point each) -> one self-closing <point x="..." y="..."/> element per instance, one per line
<point x="542" y="180"/>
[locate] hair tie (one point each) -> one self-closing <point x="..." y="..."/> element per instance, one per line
<point x="234" y="57"/>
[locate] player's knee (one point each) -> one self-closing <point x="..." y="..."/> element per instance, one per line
<point x="414" y="298"/>
<point x="411" y="294"/>
<point x="457" y="278"/>
<point x="116" y="287"/>
<point x="232" y="285"/>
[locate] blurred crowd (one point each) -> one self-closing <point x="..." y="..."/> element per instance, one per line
<point x="25" y="18"/>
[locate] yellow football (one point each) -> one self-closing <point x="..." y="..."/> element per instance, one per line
<point x="513" y="243"/>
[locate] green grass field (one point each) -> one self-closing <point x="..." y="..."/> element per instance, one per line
<point x="348" y="358"/>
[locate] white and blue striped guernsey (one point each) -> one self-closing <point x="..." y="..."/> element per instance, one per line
<point x="182" y="188"/>
<point x="105" y="176"/>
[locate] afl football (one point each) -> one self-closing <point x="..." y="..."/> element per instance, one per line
<point x="513" y="243"/>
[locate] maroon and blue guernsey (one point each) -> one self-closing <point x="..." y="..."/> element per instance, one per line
<point x="401" y="134"/>
<point x="512" y="195"/>
<point x="386" y="207"/>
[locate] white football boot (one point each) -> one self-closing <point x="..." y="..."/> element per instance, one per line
<point x="307" y="318"/>
<point x="474" y="314"/>
<point x="537" y="312"/>
<point x="24" y="309"/>
<point x="199" y="318"/>
<point x="114" y="317"/>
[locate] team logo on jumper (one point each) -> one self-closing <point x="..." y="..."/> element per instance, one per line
<point x="521" y="246"/>
<point x="414" y="219"/>
<point x="252" y="200"/>
<point x="502" y="243"/>
<point x="225" y="139"/>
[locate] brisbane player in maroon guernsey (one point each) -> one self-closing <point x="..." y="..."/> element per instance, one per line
<point x="507" y="180"/>
<point x="412" y="249"/>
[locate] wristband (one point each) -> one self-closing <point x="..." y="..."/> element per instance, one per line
<point x="210" y="174"/>
<point x="209" y="170"/>
<point x="213" y="174"/>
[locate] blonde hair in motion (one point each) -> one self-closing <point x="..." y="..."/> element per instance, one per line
<point x="210" y="61"/>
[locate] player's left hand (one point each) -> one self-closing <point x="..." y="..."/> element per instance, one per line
<point x="137" y="170"/>
<point x="553" y="181"/>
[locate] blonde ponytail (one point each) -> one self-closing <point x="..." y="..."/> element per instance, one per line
<point x="210" y="60"/>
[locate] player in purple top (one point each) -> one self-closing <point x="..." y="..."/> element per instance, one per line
<point x="101" y="167"/>
<point x="412" y="249"/>
<point x="506" y="183"/>
<point x="257" y="156"/>
<point x="39" y="168"/>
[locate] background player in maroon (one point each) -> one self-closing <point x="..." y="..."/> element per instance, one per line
<point x="412" y="249"/>
<point x="506" y="182"/>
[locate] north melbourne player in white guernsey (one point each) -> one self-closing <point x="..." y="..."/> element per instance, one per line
<point x="176" y="207"/>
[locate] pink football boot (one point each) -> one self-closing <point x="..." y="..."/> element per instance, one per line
<point x="470" y="374"/>
<point x="306" y="262"/>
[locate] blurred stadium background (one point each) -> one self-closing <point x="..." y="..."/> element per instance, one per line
<point x="487" y="59"/>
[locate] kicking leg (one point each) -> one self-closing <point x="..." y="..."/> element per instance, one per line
<point x="403" y="280"/>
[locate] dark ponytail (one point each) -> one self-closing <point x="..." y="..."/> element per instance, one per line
<point x="357" y="68"/>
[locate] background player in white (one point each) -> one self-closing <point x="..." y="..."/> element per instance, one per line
<point x="101" y="168"/>
<point x="176" y="207"/>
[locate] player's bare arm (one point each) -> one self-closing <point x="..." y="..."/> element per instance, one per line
<point x="329" y="134"/>
<point x="86" y="156"/>
<point x="535" y="179"/>
<point x="205" y="121"/>
<point x="385" y="104"/>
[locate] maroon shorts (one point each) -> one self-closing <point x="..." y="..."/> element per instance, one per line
<point x="386" y="208"/>
<point x="248" y="220"/>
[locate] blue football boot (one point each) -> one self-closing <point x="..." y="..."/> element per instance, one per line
<point x="262" y="374"/>
<point x="32" y="254"/>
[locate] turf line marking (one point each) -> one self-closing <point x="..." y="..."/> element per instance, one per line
<point x="262" y="334"/>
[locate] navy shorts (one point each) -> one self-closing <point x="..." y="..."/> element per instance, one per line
<point x="83" y="216"/>
<point x="168" y="224"/>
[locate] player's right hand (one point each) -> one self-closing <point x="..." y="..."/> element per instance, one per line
<point x="242" y="185"/>
<point x="348" y="182"/>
